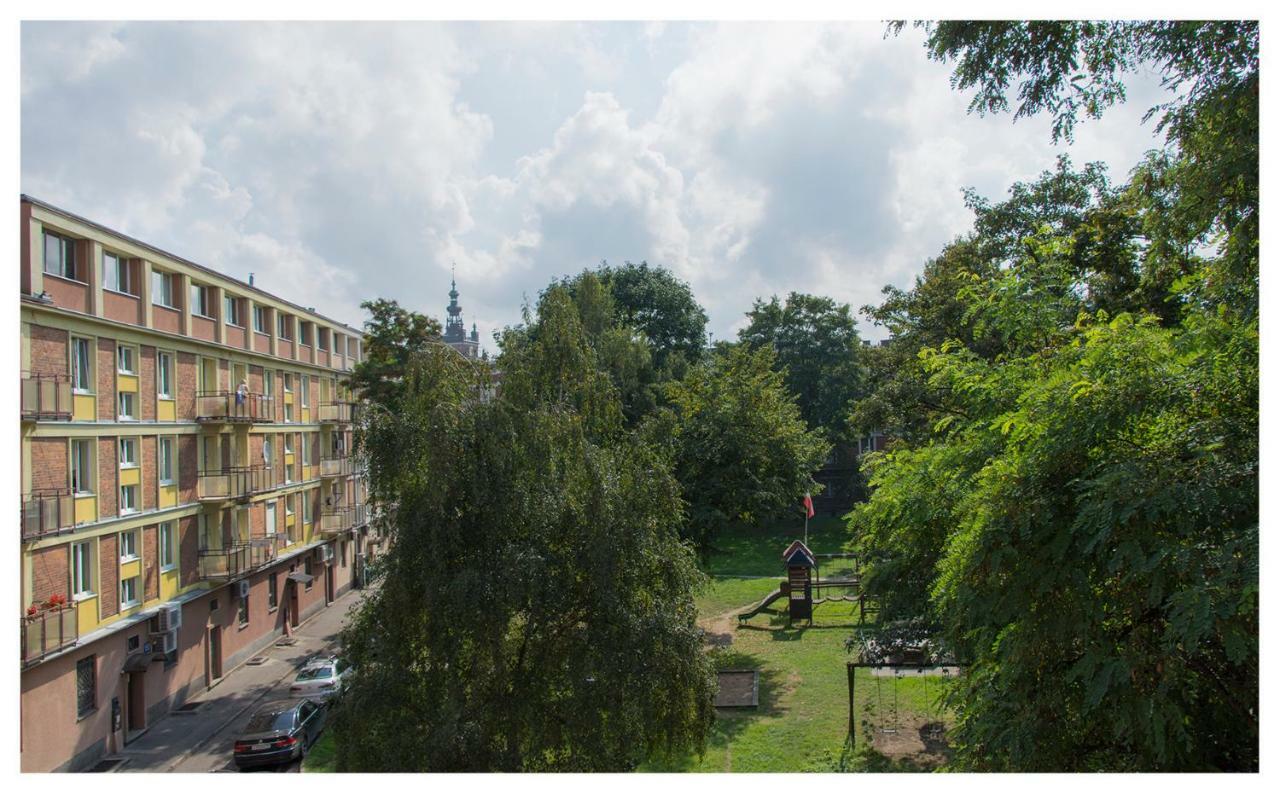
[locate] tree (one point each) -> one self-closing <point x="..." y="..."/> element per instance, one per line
<point x="742" y="451"/>
<point x="817" y="347"/>
<point x="393" y="335"/>
<point x="659" y="306"/>
<point x="536" y="609"/>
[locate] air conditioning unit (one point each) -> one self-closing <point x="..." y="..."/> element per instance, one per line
<point x="168" y="642"/>
<point x="326" y="554"/>
<point x="169" y="618"/>
<point x="243" y="585"/>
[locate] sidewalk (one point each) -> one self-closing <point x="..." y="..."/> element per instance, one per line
<point x="181" y="741"/>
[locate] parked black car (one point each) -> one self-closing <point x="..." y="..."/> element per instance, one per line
<point x="280" y="732"/>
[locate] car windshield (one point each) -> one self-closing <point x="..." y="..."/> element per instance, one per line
<point x="270" y="721"/>
<point x="315" y="673"/>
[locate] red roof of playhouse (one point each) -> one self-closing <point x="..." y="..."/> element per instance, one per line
<point x="798" y="554"/>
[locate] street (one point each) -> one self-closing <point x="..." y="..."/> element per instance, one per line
<point x="200" y="739"/>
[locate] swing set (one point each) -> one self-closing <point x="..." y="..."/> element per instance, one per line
<point x="900" y="651"/>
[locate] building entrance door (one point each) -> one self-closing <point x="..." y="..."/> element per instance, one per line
<point x="215" y="654"/>
<point x="135" y="705"/>
<point x="293" y="603"/>
<point x="328" y="584"/>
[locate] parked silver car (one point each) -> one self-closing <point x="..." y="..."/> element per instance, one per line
<point x="320" y="679"/>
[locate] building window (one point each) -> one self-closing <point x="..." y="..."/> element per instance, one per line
<point x="304" y="386"/>
<point x="128" y="453"/>
<point x="116" y="274"/>
<point x="127" y="405"/>
<point x="165" y="456"/>
<point x="304" y="333"/>
<point x="86" y="686"/>
<point x="82" y="466"/>
<point x="288" y="505"/>
<point x="288" y="412"/>
<point x="162" y="291"/>
<point x="82" y="569"/>
<point x="309" y="567"/>
<point x="164" y="375"/>
<point x="59" y="256"/>
<point x="284" y="326"/>
<point x="306" y="507"/>
<point x="234" y="316"/>
<point x="322" y="337"/>
<point x="288" y="443"/>
<point x="268" y="383"/>
<point x="243" y="612"/>
<point x="129" y="545"/>
<point x="202" y="300"/>
<point x="167" y="558"/>
<point x="288" y="383"/>
<point x="266" y="452"/>
<point x="128" y="498"/>
<point x="260" y="319"/>
<point x="124" y="360"/>
<point x="129" y="592"/>
<point x="273" y="592"/>
<point x="81" y="367"/>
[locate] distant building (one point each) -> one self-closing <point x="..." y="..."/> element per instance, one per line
<point x="455" y="333"/>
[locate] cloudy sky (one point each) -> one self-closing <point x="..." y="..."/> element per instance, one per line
<point x="343" y="161"/>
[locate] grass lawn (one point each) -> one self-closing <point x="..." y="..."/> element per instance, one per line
<point x="802" y="721"/>
<point x="321" y="755"/>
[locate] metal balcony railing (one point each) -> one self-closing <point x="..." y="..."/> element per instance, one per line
<point x="342" y="518"/>
<point x="337" y="465"/>
<point x="47" y="512"/>
<point x="46" y="398"/>
<point x="336" y="413"/>
<point x="265" y="550"/>
<point x="48" y="632"/>
<point x="228" y="406"/>
<point x="226" y="562"/>
<point x="232" y="482"/>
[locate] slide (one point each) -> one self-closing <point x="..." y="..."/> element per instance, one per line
<point x="762" y="606"/>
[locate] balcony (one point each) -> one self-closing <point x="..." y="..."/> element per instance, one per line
<point x="231" y="484"/>
<point x="48" y="632"/>
<point x="336" y="466"/>
<point x="342" y="518"/>
<point x="266" y="550"/>
<point x="226" y="562"/>
<point x="336" y="413"/>
<point x="226" y="406"/>
<point x="46" y="398"/>
<point x="47" y="512"/>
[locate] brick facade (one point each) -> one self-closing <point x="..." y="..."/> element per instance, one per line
<point x="188" y="467"/>
<point x="109" y="579"/>
<point x="108" y="499"/>
<point x="188" y="550"/>
<point x="50" y="573"/>
<point x="149" y="488"/>
<point x="49" y="351"/>
<point x="49" y="464"/>
<point x="147" y="383"/>
<point x="106" y="366"/>
<point x="186" y="384"/>
<point x="150" y="563"/>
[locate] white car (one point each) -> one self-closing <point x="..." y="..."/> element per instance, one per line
<point x="320" y="679"/>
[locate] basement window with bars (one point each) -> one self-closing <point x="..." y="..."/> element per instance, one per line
<point x="86" y="686"/>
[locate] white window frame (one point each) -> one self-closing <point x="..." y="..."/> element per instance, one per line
<point x="260" y="323"/>
<point x="231" y="307"/>
<point x="283" y="325"/>
<point x="288" y="505"/>
<point x="129" y="584"/>
<point x="162" y="290"/>
<point x="126" y="360"/>
<point x="322" y="338"/>
<point x="304" y="388"/>
<point x="86" y="445"/>
<point x="164" y="375"/>
<point x="268" y="383"/>
<point x="66" y="265"/>
<point x="201" y="297"/>
<point x="130" y="460"/>
<point x="81" y="344"/>
<point x="113" y="267"/>
<point x="306" y="506"/>
<point x="131" y="489"/>
<point x="121" y="399"/>
<point x="164" y="539"/>
<point x="266" y="451"/>
<point x="132" y="536"/>
<point x="164" y="460"/>
<point x="82" y="570"/>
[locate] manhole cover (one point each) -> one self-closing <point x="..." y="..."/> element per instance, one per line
<point x="738" y="689"/>
<point x="107" y="765"/>
<point x="257" y="660"/>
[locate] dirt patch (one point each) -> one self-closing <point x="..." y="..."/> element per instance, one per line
<point x="718" y="631"/>
<point x="918" y="740"/>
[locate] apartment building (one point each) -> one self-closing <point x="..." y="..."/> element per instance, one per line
<point x="188" y="492"/>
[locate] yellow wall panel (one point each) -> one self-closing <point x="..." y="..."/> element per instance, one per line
<point x="84" y="408"/>
<point x="168" y="495"/>
<point x="87" y="615"/>
<point x="128" y="569"/>
<point x="166" y="410"/>
<point x="126" y="382"/>
<point x="131" y="475"/>
<point x="168" y="584"/>
<point x="86" y="509"/>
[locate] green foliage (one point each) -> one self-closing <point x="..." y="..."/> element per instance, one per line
<point x="742" y="452"/>
<point x="393" y="335"/>
<point x="660" y="306"/>
<point x="817" y="347"/>
<point x="536" y="611"/>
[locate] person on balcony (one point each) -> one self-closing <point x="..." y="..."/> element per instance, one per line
<point x="242" y="393"/>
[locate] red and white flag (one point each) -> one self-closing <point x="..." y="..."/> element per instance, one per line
<point x="808" y="506"/>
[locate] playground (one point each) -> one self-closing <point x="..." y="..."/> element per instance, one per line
<point x="802" y="717"/>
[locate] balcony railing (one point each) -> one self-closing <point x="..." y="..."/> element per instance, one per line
<point x="233" y="482"/>
<point x="336" y="466"/>
<point x="48" y="632"/>
<point x="342" y="518"/>
<point x="226" y="562"/>
<point x="47" y="512"/>
<point x="46" y="398"/>
<point x="265" y="550"/>
<point x="228" y="406"/>
<point x="335" y="413"/>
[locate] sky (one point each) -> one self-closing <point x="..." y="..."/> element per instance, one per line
<point x="340" y="162"/>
